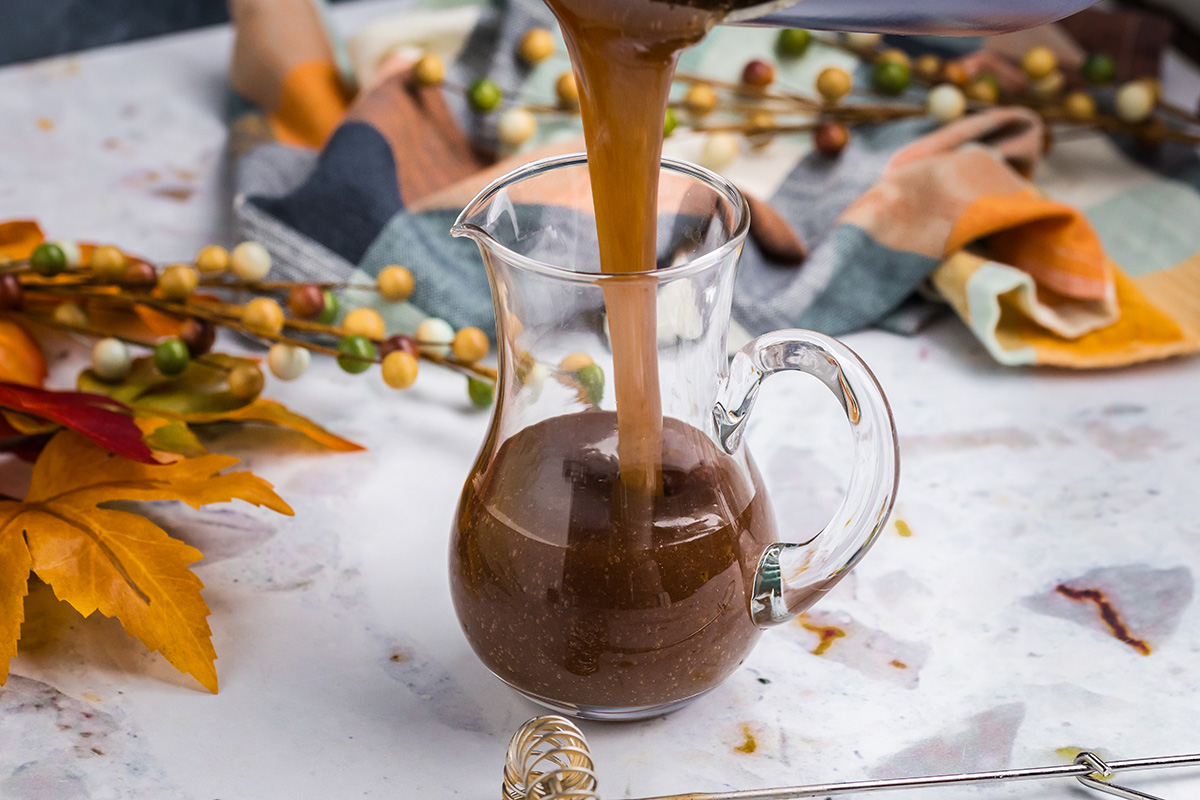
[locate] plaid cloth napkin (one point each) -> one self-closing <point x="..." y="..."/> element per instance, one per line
<point x="345" y="168"/>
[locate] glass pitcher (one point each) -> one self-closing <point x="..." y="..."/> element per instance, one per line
<point x="588" y="592"/>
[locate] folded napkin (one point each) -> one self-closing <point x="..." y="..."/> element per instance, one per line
<point x="339" y="183"/>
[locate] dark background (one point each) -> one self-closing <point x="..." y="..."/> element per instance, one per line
<point x="38" y="28"/>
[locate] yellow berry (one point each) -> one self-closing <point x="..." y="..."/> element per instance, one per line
<point x="575" y="362"/>
<point x="1038" y="62"/>
<point x="1049" y="87"/>
<point x="470" y="345"/>
<point x="395" y="284"/>
<point x="364" y="322"/>
<point x="1079" y="106"/>
<point x="263" y="315"/>
<point x="984" y="91"/>
<point x="399" y="369"/>
<point x="567" y="90"/>
<point x="71" y="315"/>
<point x="928" y="66"/>
<point x="897" y="55"/>
<point x="245" y="381"/>
<point x="250" y="261"/>
<point x="108" y="262"/>
<point x="834" y="83"/>
<point x="536" y="46"/>
<point x="764" y="120"/>
<point x="212" y="260"/>
<point x="863" y="41"/>
<point x="178" y="281"/>
<point x="429" y="70"/>
<point x="700" y="99"/>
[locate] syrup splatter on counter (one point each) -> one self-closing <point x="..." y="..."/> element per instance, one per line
<point x="1052" y="520"/>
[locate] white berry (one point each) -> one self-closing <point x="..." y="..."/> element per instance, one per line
<point x="947" y="103"/>
<point x="434" y="337"/>
<point x="516" y="127"/>
<point x="720" y="149"/>
<point x="287" y="362"/>
<point x="250" y="261"/>
<point x="110" y="360"/>
<point x="70" y="249"/>
<point x="1135" y="102"/>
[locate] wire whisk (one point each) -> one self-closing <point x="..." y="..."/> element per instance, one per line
<point x="548" y="759"/>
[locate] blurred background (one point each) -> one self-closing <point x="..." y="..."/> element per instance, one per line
<point x="32" y="29"/>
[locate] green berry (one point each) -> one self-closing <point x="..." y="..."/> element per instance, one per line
<point x="329" y="311"/>
<point x="171" y="357"/>
<point x="481" y="392"/>
<point x="1099" y="68"/>
<point x="793" y="42"/>
<point x="591" y="377"/>
<point x="357" y="354"/>
<point x="48" y="259"/>
<point x="484" y="95"/>
<point x="891" y="77"/>
<point x="670" y="122"/>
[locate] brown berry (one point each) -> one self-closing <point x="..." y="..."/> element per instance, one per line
<point x="758" y="74"/>
<point x="198" y="335"/>
<point x="401" y="342"/>
<point x="10" y="292"/>
<point x="245" y="381"/>
<point x="306" y="300"/>
<point x="470" y="345"/>
<point x="830" y="138"/>
<point x="139" y="274"/>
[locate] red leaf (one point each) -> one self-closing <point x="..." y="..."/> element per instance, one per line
<point x="105" y="421"/>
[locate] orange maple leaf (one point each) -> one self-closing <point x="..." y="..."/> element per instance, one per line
<point x="116" y="562"/>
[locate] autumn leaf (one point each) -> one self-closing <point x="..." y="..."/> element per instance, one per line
<point x="105" y="421"/>
<point x="19" y="237"/>
<point x="116" y="562"/>
<point x="21" y="359"/>
<point x="200" y="396"/>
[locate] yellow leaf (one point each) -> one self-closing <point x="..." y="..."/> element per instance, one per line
<point x="276" y="413"/>
<point x="168" y="435"/>
<point x="116" y="562"/>
<point x="19" y="237"/>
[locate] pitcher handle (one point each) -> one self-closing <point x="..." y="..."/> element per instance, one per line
<point x="791" y="577"/>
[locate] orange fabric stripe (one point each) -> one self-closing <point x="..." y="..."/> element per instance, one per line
<point x="1052" y="242"/>
<point x="1142" y="333"/>
<point x="312" y="102"/>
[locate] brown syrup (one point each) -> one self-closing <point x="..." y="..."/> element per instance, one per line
<point x="569" y="596"/>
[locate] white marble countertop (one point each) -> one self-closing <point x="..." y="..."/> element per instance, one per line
<point x="344" y="674"/>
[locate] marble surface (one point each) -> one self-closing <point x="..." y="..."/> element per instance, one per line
<point x="1035" y="505"/>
